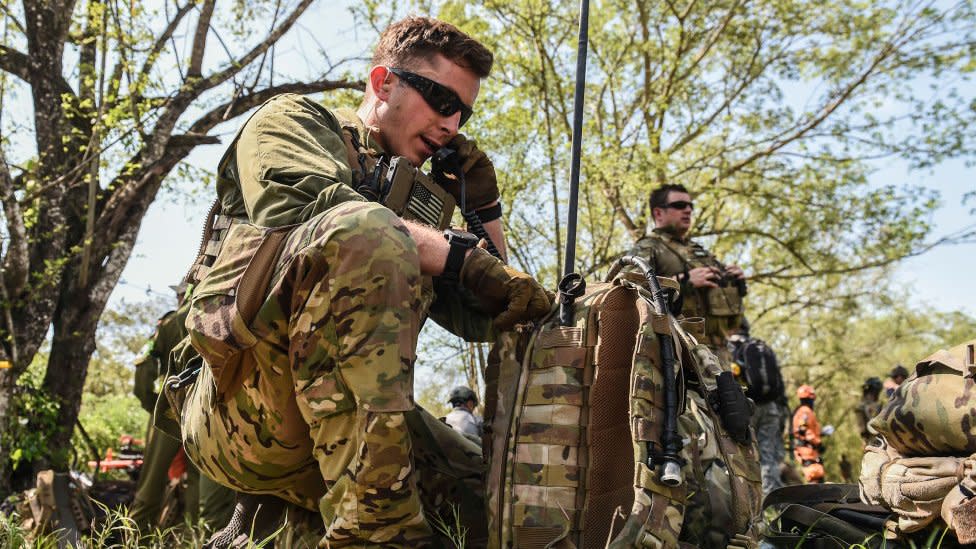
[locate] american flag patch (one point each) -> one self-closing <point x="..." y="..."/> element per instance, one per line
<point x="424" y="205"/>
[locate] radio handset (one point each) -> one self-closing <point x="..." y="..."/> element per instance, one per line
<point x="446" y="169"/>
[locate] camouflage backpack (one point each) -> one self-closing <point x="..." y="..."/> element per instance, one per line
<point x="574" y="431"/>
<point x="922" y="464"/>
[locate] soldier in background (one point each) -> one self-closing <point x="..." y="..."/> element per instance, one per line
<point x="868" y="407"/>
<point x="709" y="288"/>
<point x="161" y="450"/>
<point x="896" y="377"/>
<point x="806" y="436"/>
<point x="462" y="418"/>
<point x="755" y="366"/>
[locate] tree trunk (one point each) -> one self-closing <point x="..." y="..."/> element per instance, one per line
<point x="7" y="383"/>
<point x="72" y="345"/>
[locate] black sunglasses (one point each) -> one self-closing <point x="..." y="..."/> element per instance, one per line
<point x="440" y="98"/>
<point x="680" y="205"/>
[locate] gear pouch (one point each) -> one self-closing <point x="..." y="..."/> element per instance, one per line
<point x="723" y="301"/>
<point x="228" y="298"/>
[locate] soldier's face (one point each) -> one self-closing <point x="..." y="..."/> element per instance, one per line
<point x="408" y="124"/>
<point x="677" y="219"/>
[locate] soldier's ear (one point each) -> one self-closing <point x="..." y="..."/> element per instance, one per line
<point x="380" y="82"/>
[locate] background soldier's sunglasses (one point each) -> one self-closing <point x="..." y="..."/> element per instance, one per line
<point x="440" y="98"/>
<point x="680" y="205"/>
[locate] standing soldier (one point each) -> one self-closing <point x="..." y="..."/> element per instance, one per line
<point x="755" y="365"/>
<point x="896" y="377"/>
<point x="709" y="288"/>
<point x="869" y="407"/>
<point x="314" y="401"/>
<point x="806" y="436"/>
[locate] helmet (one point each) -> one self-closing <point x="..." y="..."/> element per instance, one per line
<point x="899" y="371"/>
<point x="805" y="391"/>
<point x="462" y="394"/>
<point x="872" y="384"/>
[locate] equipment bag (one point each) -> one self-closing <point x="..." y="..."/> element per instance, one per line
<point x="574" y="419"/>
<point x="760" y="370"/>
<point x="932" y="413"/>
<point x="823" y="516"/>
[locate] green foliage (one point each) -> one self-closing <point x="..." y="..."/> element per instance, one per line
<point x="35" y="418"/>
<point x="106" y="418"/>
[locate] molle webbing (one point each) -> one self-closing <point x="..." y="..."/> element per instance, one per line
<point x="547" y="469"/>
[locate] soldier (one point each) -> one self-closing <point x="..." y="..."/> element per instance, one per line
<point x="806" y="436"/>
<point x="462" y="418"/>
<point x="868" y="407"/>
<point x="709" y="289"/>
<point x="896" y="377"/>
<point x="202" y="497"/>
<point x="755" y="365"/>
<point x="320" y="411"/>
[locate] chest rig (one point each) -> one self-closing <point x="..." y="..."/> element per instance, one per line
<point x="724" y="302"/>
<point x="396" y="184"/>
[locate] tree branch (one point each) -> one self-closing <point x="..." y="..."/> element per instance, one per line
<point x="200" y="40"/>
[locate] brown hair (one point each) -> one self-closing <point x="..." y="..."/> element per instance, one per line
<point x="414" y="38"/>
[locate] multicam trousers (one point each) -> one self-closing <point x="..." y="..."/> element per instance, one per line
<point x="327" y="419"/>
<point x="769" y="421"/>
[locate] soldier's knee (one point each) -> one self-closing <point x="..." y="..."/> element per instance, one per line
<point x="373" y="233"/>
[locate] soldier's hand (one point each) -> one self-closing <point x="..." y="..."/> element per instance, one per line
<point x="481" y="184"/>
<point x="736" y="271"/>
<point x="703" y="277"/>
<point x="509" y="294"/>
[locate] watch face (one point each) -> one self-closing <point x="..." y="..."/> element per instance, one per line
<point x="462" y="238"/>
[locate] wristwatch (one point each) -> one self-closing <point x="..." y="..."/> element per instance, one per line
<point x="461" y="242"/>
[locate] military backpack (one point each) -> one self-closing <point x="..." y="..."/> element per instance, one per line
<point x="574" y="433"/>
<point x="759" y="369"/>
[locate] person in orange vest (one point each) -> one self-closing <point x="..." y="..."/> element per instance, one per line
<point x="806" y="436"/>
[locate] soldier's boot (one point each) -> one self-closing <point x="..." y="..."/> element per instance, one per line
<point x="255" y="518"/>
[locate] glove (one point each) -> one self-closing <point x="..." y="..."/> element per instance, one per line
<point x="481" y="184"/>
<point x="914" y="488"/>
<point x="959" y="506"/>
<point x="509" y="294"/>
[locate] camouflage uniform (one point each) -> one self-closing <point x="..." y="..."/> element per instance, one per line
<point x="806" y="443"/>
<point x="922" y="463"/>
<point x="202" y="497"/>
<point x="720" y="307"/>
<point x="326" y="417"/>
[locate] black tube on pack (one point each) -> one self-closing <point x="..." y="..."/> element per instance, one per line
<point x="670" y="438"/>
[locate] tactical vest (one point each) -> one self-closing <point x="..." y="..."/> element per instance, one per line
<point x="720" y="307"/>
<point x="574" y="428"/>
